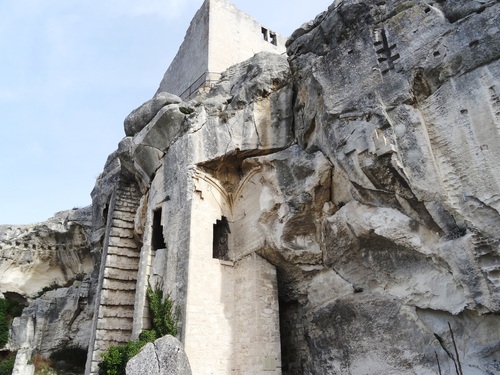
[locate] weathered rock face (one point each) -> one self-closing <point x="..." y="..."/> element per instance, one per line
<point x="58" y="319"/>
<point x="163" y="357"/>
<point x="402" y="98"/>
<point x="353" y="185"/>
<point x="140" y="117"/>
<point x="54" y="252"/>
<point x="47" y="267"/>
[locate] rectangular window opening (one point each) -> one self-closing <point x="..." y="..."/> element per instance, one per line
<point x="220" y="239"/>
<point x="265" y="34"/>
<point x="274" y="40"/>
<point x="157" y="239"/>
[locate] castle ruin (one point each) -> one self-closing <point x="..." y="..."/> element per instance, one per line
<point x="194" y="231"/>
<point x="334" y="210"/>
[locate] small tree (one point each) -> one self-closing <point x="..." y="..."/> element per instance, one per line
<point x="164" y="318"/>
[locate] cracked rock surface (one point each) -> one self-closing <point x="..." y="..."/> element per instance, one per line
<point x="163" y="357"/>
<point x="402" y="98"/>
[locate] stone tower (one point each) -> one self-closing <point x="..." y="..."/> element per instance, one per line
<point x="221" y="331"/>
<point x="219" y="36"/>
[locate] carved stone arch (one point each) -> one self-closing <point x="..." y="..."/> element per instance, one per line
<point x="217" y="185"/>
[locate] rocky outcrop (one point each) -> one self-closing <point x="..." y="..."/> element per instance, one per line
<point x="165" y="356"/>
<point x="401" y="97"/>
<point x="47" y="267"/>
<point x="60" y="319"/>
<point x="52" y="253"/>
<point x="140" y="117"/>
<point x="56" y="320"/>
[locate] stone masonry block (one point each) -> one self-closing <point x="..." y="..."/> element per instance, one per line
<point x="119" y="274"/>
<point x="115" y="324"/>
<point x="119" y="284"/>
<point x="125" y="251"/>
<point x="116" y="311"/>
<point x="123" y="262"/>
<point x="117" y="297"/>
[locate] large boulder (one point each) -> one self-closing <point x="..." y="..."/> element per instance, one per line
<point x="140" y="116"/>
<point x="165" y="356"/>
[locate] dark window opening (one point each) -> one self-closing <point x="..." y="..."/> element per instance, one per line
<point x="157" y="240"/>
<point x="220" y="239"/>
<point x="265" y="34"/>
<point x="274" y="40"/>
<point x="384" y="51"/>
<point x="105" y="213"/>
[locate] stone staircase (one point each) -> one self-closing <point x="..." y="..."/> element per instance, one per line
<point x="116" y="303"/>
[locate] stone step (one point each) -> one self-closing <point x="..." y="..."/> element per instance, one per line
<point x="124" y="216"/>
<point x="122" y="242"/>
<point x="127" y="190"/>
<point x="116" y="312"/>
<point x="112" y="336"/>
<point x="123" y="262"/>
<point x="119" y="284"/>
<point x="115" y="324"/>
<point x="127" y="202"/>
<point x="123" y="211"/>
<point x="120" y="232"/>
<point x="117" y="297"/>
<point x="119" y="274"/>
<point x="124" y="251"/>
<point x="124" y="224"/>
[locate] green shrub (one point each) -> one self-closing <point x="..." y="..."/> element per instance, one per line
<point x="148" y="335"/>
<point x="8" y="310"/>
<point x="7" y="364"/>
<point x="164" y="322"/>
<point x="164" y="319"/>
<point x="4" y="332"/>
<point x="114" y="360"/>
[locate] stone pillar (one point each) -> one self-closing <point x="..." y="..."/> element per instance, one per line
<point x="257" y="347"/>
<point x="208" y="339"/>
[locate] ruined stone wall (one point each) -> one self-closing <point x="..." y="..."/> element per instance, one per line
<point x="46" y="267"/>
<point x="235" y="37"/>
<point x="191" y="61"/>
<point x="210" y="295"/>
<point x="256" y="317"/>
<point x="218" y="37"/>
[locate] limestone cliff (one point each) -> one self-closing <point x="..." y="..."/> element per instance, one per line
<point x="329" y="212"/>
<point x="402" y="98"/>
<point x="53" y="252"/>
<point x="47" y="267"/>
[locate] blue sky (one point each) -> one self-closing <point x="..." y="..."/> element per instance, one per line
<point x="71" y="71"/>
